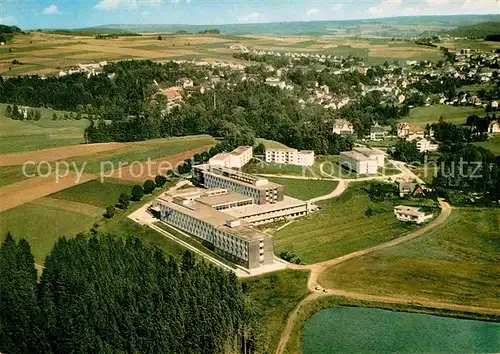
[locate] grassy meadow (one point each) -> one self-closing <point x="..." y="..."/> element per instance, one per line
<point x="270" y="144"/>
<point x="305" y="189"/>
<point x="340" y="227"/>
<point x="458" y="261"/>
<point x="272" y="297"/>
<point x="76" y="210"/>
<point x="324" y="167"/>
<point x="428" y="115"/>
<point x="19" y="136"/>
<point x="140" y="151"/>
<point x="95" y="193"/>
<point x="41" y="225"/>
<point x="493" y="144"/>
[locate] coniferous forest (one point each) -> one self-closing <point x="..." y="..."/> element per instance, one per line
<point x="104" y="294"/>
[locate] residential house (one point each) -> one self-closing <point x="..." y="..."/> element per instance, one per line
<point x="172" y="94"/>
<point x="411" y="214"/>
<point x="185" y="82"/>
<point x="343" y="127"/>
<point x="378" y="133"/>
<point x="409" y="131"/>
<point x="426" y="145"/>
<point x="494" y="127"/>
<point x="410" y="189"/>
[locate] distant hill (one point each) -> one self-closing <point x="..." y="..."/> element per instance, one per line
<point x="7" y="32"/>
<point x="479" y="30"/>
<point x="384" y="27"/>
<point x="92" y="31"/>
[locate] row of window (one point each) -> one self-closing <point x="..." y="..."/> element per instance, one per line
<point x="198" y="228"/>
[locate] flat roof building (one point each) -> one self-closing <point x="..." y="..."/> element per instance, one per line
<point x="377" y="155"/>
<point x="290" y="157"/>
<point x="359" y="163"/>
<point x="190" y="211"/>
<point x="260" y="189"/>
<point x="411" y="214"/>
<point x="237" y="158"/>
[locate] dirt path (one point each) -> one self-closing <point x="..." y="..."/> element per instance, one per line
<point x="422" y="303"/>
<point x="318" y="268"/>
<point x="341" y="188"/>
<point x="28" y="190"/>
<point x="143" y="171"/>
<point x="59" y="153"/>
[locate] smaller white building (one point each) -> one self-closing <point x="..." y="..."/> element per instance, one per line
<point x="410" y="214"/>
<point x="237" y="158"/>
<point x="426" y="145"/>
<point x="306" y="158"/>
<point x="494" y="127"/>
<point x="409" y="131"/>
<point x="373" y="154"/>
<point x="342" y="126"/>
<point x="290" y="157"/>
<point x="358" y="162"/>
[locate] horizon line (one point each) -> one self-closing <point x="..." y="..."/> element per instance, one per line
<point x="214" y="26"/>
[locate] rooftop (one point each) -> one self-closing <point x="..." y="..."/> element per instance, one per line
<point x="413" y="211"/>
<point x="368" y="152"/>
<point x="355" y="155"/>
<point x="241" y="150"/>
<point x="281" y="150"/>
<point x="254" y="209"/>
<point x="230" y="197"/>
<point x="213" y="217"/>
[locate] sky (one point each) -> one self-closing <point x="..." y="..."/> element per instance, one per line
<point x="32" y="14"/>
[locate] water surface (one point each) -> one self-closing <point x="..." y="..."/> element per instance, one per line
<point x="363" y="330"/>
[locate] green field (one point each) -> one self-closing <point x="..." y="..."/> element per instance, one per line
<point x="340" y="227"/>
<point x="459" y="262"/>
<point x="140" y="151"/>
<point x="13" y="174"/>
<point x="427" y="115"/>
<point x="493" y="144"/>
<point x="94" y="193"/>
<point x="272" y="297"/>
<point x="270" y="144"/>
<point x="124" y="227"/>
<point x="277" y="169"/>
<point x="330" y="165"/>
<point x="77" y="209"/>
<point x="17" y="136"/>
<point x="42" y="225"/>
<point x="305" y="189"/>
<point x="426" y="172"/>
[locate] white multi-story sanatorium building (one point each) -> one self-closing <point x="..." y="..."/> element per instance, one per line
<point x="237" y="158"/>
<point x="223" y="212"/>
<point x="198" y="212"/>
<point x="290" y="157"/>
<point x="260" y="189"/>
